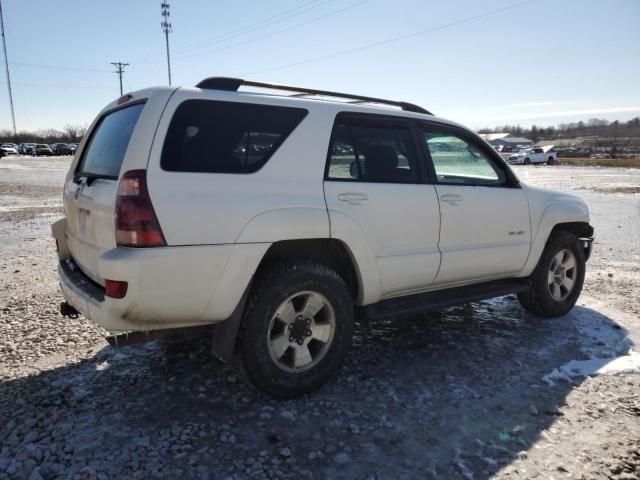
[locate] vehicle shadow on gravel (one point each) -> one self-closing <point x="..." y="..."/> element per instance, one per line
<point x="454" y="394"/>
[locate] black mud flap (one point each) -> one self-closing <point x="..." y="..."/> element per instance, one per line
<point x="225" y="333"/>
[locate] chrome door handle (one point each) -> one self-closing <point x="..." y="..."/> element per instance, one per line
<point x="452" y="198"/>
<point x="354" y="198"/>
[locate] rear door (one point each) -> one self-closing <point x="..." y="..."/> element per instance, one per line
<point x="373" y="178"/>
<point x="89" y="194"/>
<point x="485" y="228"/>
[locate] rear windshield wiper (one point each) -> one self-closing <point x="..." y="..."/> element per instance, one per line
<point x="90" y="177"/>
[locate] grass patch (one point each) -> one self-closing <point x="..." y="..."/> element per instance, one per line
<point x="601" y="162"/>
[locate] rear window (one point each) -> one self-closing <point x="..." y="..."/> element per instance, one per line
<point x="226" y="137"/>
<point x="104" y="154"/>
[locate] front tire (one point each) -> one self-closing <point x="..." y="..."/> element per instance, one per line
<point x="527" y="161"/>
<point x="297" y="328"/>
<point x="557" y="281"/>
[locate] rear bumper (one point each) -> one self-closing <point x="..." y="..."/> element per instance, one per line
<point x="168" y="287"/>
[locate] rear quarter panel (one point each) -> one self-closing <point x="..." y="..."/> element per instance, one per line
<point x="282" y="200"/>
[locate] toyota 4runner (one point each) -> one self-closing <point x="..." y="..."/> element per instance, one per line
<point x="276" y="219"/>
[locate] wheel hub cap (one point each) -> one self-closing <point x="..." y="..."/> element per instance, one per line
<point x="301" y="331"/>
<point x="562" y="274"/>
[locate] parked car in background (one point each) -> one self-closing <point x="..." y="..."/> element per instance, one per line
<point x="41" y="149"/>
<point x="9" y="148"/>
<point x="73" y="147"/>
<point x="534" y="155"/>
<point x="26" y="148"/>
<point x="61" y="149"/>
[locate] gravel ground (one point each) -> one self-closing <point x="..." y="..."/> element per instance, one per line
<point x="480" y="391"/>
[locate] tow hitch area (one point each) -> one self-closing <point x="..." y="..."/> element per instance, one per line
<point x="67" y="310"/>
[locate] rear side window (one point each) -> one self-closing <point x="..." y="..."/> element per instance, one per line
<point x="109" y="141"/>
<point x="372" y="153"/>
<point x="226" y="137"/>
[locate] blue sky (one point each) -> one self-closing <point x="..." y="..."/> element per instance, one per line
<point x="542" y="61"/>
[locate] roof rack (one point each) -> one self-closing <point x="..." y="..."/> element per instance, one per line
<point x="233" y="84"/>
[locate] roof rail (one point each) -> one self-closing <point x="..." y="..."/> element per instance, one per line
<point x="233" y="84"/>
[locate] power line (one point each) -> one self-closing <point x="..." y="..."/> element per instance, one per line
<point x="120" y="70"/>
<point x="166" y="28"/>
<point x="391" y="40"/>
<point x="234" y="33"/>
<point x="257" y="26"/>
<point x="48" y="85"/>
<point x="6" y="64"/>
<point x="58" y="67"/>
<point x="268" y="35"/>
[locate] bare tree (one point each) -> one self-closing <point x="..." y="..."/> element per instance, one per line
<point x="74" y="132"/>
<point x="616" y="141"/>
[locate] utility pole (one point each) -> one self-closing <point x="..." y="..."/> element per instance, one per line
<point x="6" y="64"/>
<point x="120" y="70"/>
<point x="166" y="28"/>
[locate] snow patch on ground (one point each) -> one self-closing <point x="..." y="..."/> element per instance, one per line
<point x="608" y="346"/>
<point x="596" y="366"/>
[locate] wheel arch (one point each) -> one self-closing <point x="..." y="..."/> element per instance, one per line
<point x="327" y="251"/>
<point x="572" y="217"/>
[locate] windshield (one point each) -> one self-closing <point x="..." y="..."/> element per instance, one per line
<point x="105" y="153"/>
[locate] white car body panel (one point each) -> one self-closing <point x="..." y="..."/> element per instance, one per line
<point x="296" y="172"/>
<point x="469" y="249"/>
<point x="548" y="209"/>
<point x="403" y="238"/>
<point x="89" y="209"/>
<point x="402" y="225"/>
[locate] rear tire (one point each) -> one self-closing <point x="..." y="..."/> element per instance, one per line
<point x="557" y="281"/>
<point x="297" y="328"/>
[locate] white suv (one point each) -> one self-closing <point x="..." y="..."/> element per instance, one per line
<point x="278" y="218"/>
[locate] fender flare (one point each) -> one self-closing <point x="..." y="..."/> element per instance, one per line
<point x="345" y="229"/>
<point x="554" y="214"/>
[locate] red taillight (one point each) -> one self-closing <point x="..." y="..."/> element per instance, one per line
<point x="136" y="221"/>
<point x="115" y="289"/>
<point x="124" y="99"/>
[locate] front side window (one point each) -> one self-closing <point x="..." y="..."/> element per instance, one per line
<point x="459" y="161"/>
<point x="226" y="137"/>
<point x="372" y="153"/>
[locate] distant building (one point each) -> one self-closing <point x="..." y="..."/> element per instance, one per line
<point x="493" y="136"/>
<point x="510" y="143"/>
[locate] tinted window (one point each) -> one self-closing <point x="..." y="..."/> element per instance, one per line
<point x="372" y="153"/>
<point x="109" y="142"/>
<point x="459" y="161"/>
<point x="226" y="137"/>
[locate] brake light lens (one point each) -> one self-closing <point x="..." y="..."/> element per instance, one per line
<point x="115" y="288"/>
<point x="136" y="221"/>
<point x="124" y="99"/>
